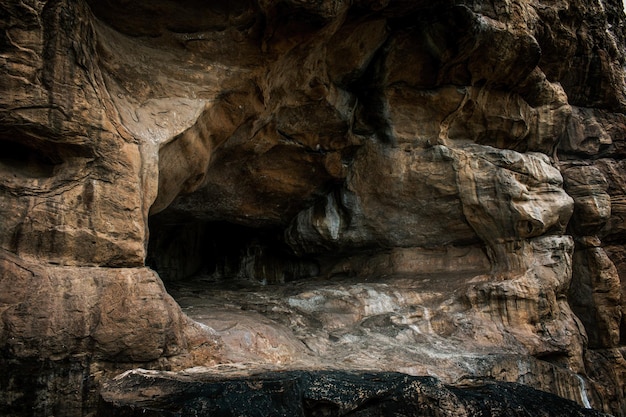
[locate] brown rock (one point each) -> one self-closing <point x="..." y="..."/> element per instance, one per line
<point x="592" y="205"/>
<point x="596" y="296"/>
<point x="371" y="184"/>
<point x="55" y="312"/>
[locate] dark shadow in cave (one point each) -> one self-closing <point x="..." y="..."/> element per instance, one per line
<point x="183" y="248"/>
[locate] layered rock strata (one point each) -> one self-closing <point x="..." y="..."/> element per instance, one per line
<point x="391" y="186"/>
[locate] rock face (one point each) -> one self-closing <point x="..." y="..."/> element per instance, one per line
<point x="399" y="187"/>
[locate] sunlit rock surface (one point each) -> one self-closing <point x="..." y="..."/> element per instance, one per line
<point x="406" y="189"/>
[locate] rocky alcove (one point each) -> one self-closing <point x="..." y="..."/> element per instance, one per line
<point x="180" y="250"/>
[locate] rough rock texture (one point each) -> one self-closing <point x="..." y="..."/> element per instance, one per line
<point x="329" y="393"/>
<point x="430" y="188"/>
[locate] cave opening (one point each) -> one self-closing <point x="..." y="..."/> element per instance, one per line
<point x="361" y="309"/>
<point x="183" y="249"/>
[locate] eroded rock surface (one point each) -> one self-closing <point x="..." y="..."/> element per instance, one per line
<point x="415" y="187"/>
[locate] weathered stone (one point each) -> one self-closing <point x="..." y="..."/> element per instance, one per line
<point x="608" y="366"/>
<point x="54" y="312"/>
<point x="613" y="171"/>
<point x="383" y="204"/>
<point x="617" y="254"/>
<point x="525" y="200"/>
<point x="416" y="187"/>
<point x="383" y="201"/>
<point x="592" y="205"/>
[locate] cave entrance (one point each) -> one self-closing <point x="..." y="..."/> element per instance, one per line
<point x="184" y="249"/>
<point x="362" y="310"/>
<point x="236" y="280"/>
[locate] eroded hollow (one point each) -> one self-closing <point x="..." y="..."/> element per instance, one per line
<point x="26" y="161"/>
<point x="185" y="249"/>
<point x="361" y="310"/>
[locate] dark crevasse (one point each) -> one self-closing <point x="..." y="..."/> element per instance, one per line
<point x="181" y="249"/>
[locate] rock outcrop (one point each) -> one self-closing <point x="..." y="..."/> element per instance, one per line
<point x="404" y="188"/>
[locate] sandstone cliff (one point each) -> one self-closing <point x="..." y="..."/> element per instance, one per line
<point x="390" y="186"/>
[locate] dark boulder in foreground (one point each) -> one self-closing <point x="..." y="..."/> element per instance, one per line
<point x="323" y="393"/>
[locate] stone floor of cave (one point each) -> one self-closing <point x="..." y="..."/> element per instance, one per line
<point x="410" y="324"/>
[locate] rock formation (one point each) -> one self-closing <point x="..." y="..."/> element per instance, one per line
<point x="308" y="192"/>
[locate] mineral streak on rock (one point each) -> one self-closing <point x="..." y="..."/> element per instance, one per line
<point x="403" y="187"/>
